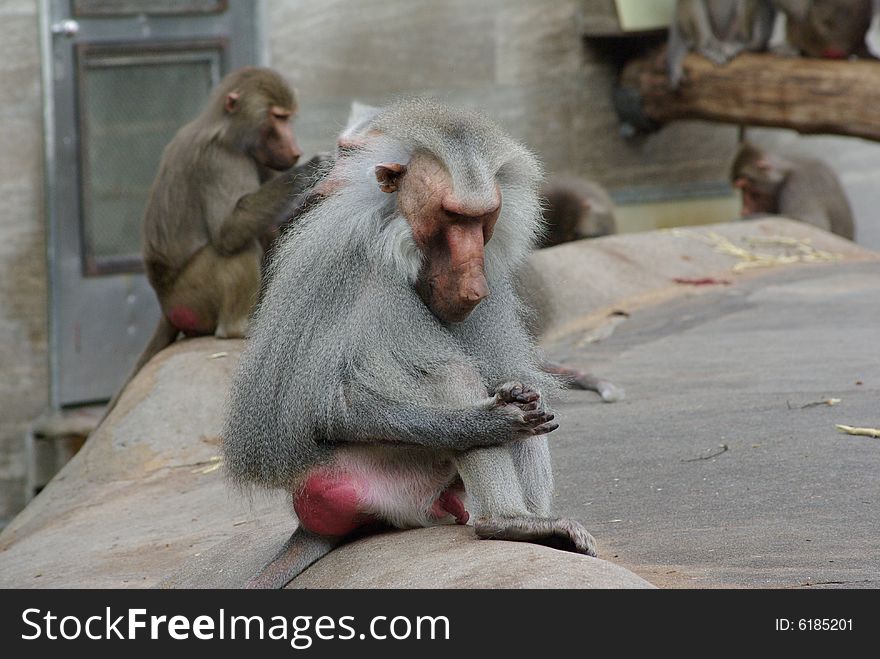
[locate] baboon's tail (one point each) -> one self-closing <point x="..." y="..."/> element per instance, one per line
<point x="300" y="551"/>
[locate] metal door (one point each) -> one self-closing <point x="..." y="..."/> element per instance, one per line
<point x="119" y="77"/>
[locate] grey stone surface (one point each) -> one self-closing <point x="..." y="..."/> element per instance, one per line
<point x="790" y="502"/>
<point x="577" y="285"/>
<point x="440" y="557"/>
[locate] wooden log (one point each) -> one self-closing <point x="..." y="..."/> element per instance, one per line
<point x="807" y="95"/>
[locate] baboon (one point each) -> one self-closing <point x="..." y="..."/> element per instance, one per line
<point x="800" y="188"/>
<point x="717" y="29"/>
<point x="575" y="208"/>
<point x="834" y="29"/>
<point x="214" y="198"/>
<point x="383" y="384"/>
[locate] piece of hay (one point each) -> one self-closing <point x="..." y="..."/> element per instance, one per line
<point x="214" y="463"/>
<point x="862" y="432"/>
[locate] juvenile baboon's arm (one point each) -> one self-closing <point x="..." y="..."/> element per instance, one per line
<point x="369" y="417"/>
<point x="236" y="219"/>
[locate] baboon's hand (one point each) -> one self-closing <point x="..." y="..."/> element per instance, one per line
<point x="530" y="417"/>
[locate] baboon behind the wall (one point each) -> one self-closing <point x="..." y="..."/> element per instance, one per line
<point x="575" y="208"/>
<point x="801" y="188"/>
<point x="383" y="383"/>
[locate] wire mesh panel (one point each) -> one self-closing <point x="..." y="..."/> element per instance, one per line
<point x="130" y="105"/>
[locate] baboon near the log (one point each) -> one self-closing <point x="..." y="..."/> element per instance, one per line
<point x="800" y="188"/>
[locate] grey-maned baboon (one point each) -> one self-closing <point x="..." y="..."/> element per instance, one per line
<point x="388" y="379"/>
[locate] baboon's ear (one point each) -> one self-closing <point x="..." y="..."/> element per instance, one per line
<point x="389" y="174"/>
<point x="231" y="103"/>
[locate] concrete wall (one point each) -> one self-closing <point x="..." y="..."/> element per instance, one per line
<point x="23" y="278"/>
<point x="522" y="61"/>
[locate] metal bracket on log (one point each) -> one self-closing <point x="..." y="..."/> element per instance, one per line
<point x="806" y="95"/>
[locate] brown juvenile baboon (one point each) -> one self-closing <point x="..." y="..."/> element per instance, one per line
<point x="834" y="29"/>
<point x="717" y="29"/>
<point x="214" y="198"/>
<point x="382" y="383"/>
<point x="575" y="208"/>
<point x="209" y="206"/>
<point x="800" y="188"/>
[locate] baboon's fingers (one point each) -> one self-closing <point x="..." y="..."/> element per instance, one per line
<point x="539" y="416"/>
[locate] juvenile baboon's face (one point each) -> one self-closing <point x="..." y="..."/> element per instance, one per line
<point x="759" y="191"/>
<point x="276" y="146"/>
<point x="451" y="228"/>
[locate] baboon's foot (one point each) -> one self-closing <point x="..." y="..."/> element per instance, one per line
<point x="564" y="534"/>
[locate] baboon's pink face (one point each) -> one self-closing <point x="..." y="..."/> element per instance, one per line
<point x="450" y="232"/>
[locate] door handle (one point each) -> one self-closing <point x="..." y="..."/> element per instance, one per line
<point x="69" y="28"/>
